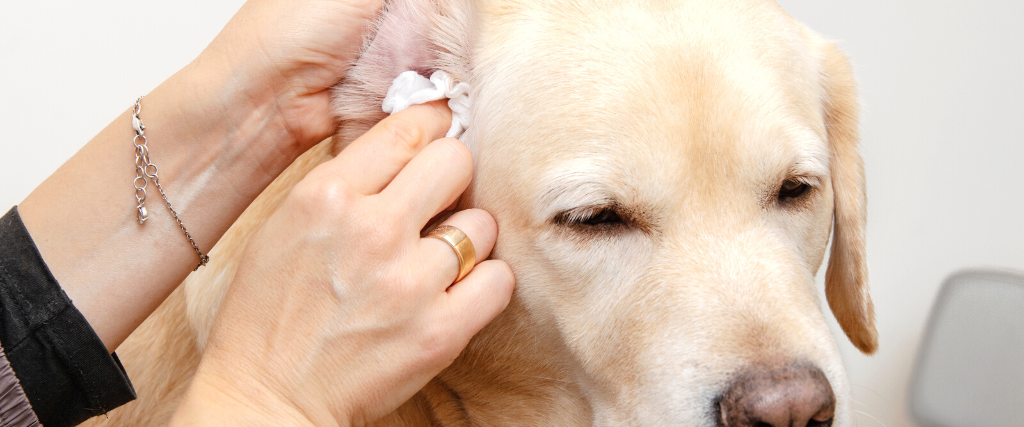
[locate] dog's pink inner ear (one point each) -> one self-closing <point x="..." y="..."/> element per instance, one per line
<point x="402" y="40"/>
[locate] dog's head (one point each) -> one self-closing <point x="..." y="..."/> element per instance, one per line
<point x="665" y="176"/>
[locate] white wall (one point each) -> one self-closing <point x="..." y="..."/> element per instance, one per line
<point x="67" y="68"/>
<point x="941" y="85"/>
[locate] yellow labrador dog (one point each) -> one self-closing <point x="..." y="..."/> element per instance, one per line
<point x="665" y="175"/>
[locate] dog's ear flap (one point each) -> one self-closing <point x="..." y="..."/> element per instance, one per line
<point x="846" y="280"/>
<point x="419" y="35"/>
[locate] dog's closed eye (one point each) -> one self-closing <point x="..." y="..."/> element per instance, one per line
<point x="603" y="216"/>
<point x="598" y="219"/>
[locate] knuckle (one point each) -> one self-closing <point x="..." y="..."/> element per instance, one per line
<point x="403" y="135"/>
<point x="441" y="345"/>
<point x="321" y="196"/>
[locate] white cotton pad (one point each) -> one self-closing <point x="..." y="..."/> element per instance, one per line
<point x="410" y="88"/>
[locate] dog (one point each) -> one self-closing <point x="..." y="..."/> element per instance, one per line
<point x="665" y="175"/>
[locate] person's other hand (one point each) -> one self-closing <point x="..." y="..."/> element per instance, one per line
<point x="286" y="54"/>
<point x="340" y="311"/>
<point x="266" y="78"/>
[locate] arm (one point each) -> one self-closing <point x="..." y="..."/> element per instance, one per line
<point x="219" y="131"/>
<point x="342" y="312"/>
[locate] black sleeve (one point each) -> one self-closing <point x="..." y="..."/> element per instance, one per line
<point x="63" y="366"/>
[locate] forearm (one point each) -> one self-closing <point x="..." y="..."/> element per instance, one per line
<point x="215" y="151"/>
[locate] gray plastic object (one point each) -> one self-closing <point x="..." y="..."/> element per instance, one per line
<point x="970" y="367"/>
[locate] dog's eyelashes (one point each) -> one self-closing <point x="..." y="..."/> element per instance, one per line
<point x="604" y="216"/>
<point x="792" y="189"/>
<point x="591" y="218"/>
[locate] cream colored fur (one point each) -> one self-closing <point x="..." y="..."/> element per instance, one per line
<point x="685" y="117"/>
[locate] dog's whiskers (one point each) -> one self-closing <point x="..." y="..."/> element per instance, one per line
<point x="870" y="416"/>
<point x="877" y="394"/>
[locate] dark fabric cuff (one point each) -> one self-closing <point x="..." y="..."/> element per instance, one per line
<point x="63" y="366"/>
<point x="15" y="410"/>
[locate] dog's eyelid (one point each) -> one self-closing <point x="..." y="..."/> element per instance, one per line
<point x="810" y="181"/>
<point x="603" y="218"/>
<point x="583" y="213"/>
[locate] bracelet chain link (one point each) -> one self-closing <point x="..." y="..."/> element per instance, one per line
<point x="146" y="171"/>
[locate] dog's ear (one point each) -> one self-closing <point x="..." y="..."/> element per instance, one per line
<point x="419" y="35"/>
<point x="846" y="280"/>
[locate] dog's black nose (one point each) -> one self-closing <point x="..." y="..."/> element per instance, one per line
<point x="796" y="395"/>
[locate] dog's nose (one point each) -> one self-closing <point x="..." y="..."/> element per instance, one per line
<point x="797" y="395"/>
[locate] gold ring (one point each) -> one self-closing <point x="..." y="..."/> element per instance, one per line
<point x="461" y="244"/>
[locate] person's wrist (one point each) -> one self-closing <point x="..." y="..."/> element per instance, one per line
<point x="211" y="113"/>
<point x="215" y="399"/>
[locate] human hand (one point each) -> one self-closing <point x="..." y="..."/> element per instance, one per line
<point x="259" y="95"/>
<point x="340" y="311"/>
<point x="285" y="55"/>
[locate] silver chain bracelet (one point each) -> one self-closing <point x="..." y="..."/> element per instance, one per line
<point x="145" y="170"/>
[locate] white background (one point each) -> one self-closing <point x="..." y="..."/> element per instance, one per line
<point x="940" y="82"/>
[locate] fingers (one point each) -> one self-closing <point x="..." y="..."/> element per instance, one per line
<point x="373" y="160"/>
<point x="480" y="297"/>
<point x="432" y="180"/>
<point x="439" y="257"/>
